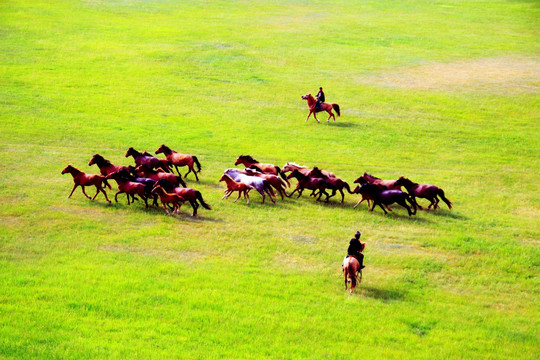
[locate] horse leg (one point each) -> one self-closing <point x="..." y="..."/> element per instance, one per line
<point x="382" y="207"/>
<point x="195" y="206"/>
<point x="246" y="195"/>
<point x="315" y="116"/>
<point x="239" y="194"/>
<point x="116" y="195"/>
<point x="404" y="204"/>
<point x="309" y="115"/>
<point x="342" y="195"/>
<point x="84" y="192"/>
<point x="330" y="112"/>
<point x="415" y="202"/>
<point x="178" y="171"/>
<point x="104" y="193"/>
<point x="187" y="172"/>
<point x="195" y="173"/>
<point x="358" y="203"/>
<point x="74" y="187"/>
<point x="270" y="195"/>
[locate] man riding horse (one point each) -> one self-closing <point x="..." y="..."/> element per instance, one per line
<point x="320" y="100"/>
<point x="355" y="249"/>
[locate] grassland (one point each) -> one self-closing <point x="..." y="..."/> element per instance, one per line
<point x="443" y="92"/>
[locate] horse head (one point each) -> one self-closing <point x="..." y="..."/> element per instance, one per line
<point x="163" y="149"/>
<point x="307" y="96"/>
<point x="67" y="169"/>
<point x="131" y="152"/>
<point x="360" y="180"/>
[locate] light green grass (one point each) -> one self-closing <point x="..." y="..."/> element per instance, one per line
<point x="81" y="279"/>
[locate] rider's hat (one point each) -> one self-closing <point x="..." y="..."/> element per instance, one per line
<point x="357" y="235"/>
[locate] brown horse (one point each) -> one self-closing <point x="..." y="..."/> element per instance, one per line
<point x="233" y="186"/>
<point x="166" y="198"/>
<point x="382" y="184"/>
<point x="141" y="159"/>
<point x="130" y="188"/>
<point x="193" y="196"/>
<point x="104" y="165"/>
<point x="387" y="197"/>
<point x="164" y="162"/>
<point x="429" y="192"/>
<point x="333" y="182"/>
<point x="351" y="270"/>
<point x="81" y="179"/>
<point x="146" y="172"/>
<point x="311" y="102"/>
<point x="249" y="162"/>
<point x="310" y="183"/>
<point x="290" y="166"/>
<point x="177" y="159"/>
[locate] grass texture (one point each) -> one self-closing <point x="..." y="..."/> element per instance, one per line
<point x="442" y="92"/>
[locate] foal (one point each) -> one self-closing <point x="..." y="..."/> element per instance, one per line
<point x="82" y="179"/>
<point x="233" y="186"/>
<point x="174" y="199"/>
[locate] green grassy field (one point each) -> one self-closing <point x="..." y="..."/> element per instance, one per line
<point x="443" y="92"/>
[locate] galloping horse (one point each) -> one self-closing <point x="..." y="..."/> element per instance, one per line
<point x="191" y="195"/>
<point x="310" y="183"/>
<point x="166" y="198"/>
<point x="290" y="166"/>
<point x="178" y="159"/>
<point x="429" y="192"/>
<point x="141" y="159"/>
<point x="387" y="197"/>
<point x="261" y="185"/>
<point x="130" y="188"/>
<point x="382" y="184"/>
<point x="275" y="181"/>
<point x="233" y="186"/>
<point x="250" y="162"/>
<point x="311" y="102"/>
<point x="351" y="269"/>
<point x="104" y="165"/>
<point x="333" y="182"/>
<point x="145" y="171"/>
<point x="81" y="179"/>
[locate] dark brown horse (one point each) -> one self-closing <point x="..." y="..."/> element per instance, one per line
<point x="351" y="270"/>
<point x="104" y="165"/>
<point x="177" y="159"/>
<point x="387" y="197"/>
<point x="311" y="102"/>
<point x="81" y="179"/>
<point x="332" y="182"/>
<point x="429" y="192"/>
<point x="168" y="198"/>
<point x="165" y="165"/>
<point x="193" y="196"/>
<point x="310" y="183"/>
<point x="141" y="159"/>
<point x="382" y="184"/>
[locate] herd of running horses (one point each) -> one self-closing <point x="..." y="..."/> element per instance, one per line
<point x="152" y="178"/>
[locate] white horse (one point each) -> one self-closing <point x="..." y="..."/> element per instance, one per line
<point x="261" y="185"/>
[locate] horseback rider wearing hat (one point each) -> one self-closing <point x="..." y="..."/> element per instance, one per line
<point x="355" y="249"/>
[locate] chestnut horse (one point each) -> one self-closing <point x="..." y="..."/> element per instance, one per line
<point x="429" y="192"/>
<point x="177" y="159"/>
<point x="130" y="188"/>
<point x="141" y="159"/>
<point x="175" y="200"/>
<point x="81" y="179"/>
<point x="191" y="195"/>
<point x="311" y="102"/>
<point x="233" y="186"/>
<point x="351" y="269"/>
<point x="261" y="185"/>
<point x="290" y="166"/>
<point x="104" y="165"/>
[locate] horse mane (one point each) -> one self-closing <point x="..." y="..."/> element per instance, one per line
<point x="295" y="164"/>
<point x="299" y="174"/>
<point x="248" y="158"/>
<point x="166" y="148"/>
<point x="256" y="168"/>
<point x="366" y="174"/>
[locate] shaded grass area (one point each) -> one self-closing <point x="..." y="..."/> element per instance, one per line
<point x="83" y="279"/>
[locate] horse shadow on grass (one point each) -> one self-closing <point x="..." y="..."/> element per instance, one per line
<point x="344" y="124"/>
<point x="382" y="294"/>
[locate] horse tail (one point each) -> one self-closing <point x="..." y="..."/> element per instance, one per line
<point x="104" y="180"/>
<point x="200" y="198"/>
<point x="196" y="161"/>
<point x="346" y="186"/>
<point x="180" y="181"/>
<point x="336" y="108"/>
<point x="440" y="192"/>
<point x="349" y="269"/>
<point x="282" y="175"/>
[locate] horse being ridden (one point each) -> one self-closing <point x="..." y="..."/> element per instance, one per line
<point x="311" y="102"/>
<point x="429" y="192"/>
<point x="261" y="185"/>
<point x="351" y="269"/>
<point x="191" y="195"/>
<point x="81" y="179"/>
<point x="141" y="159"/>
<point x="177" y="159"/>
<point x="233" y="186"/>
<point x="387" y="197"/>
<point x="104" y="165"/>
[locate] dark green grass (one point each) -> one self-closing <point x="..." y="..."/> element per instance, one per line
<point x="82" y="279"/>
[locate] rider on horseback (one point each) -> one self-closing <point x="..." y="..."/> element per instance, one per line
<point x="320" y="100"/>
<point x="355" y="249"/>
